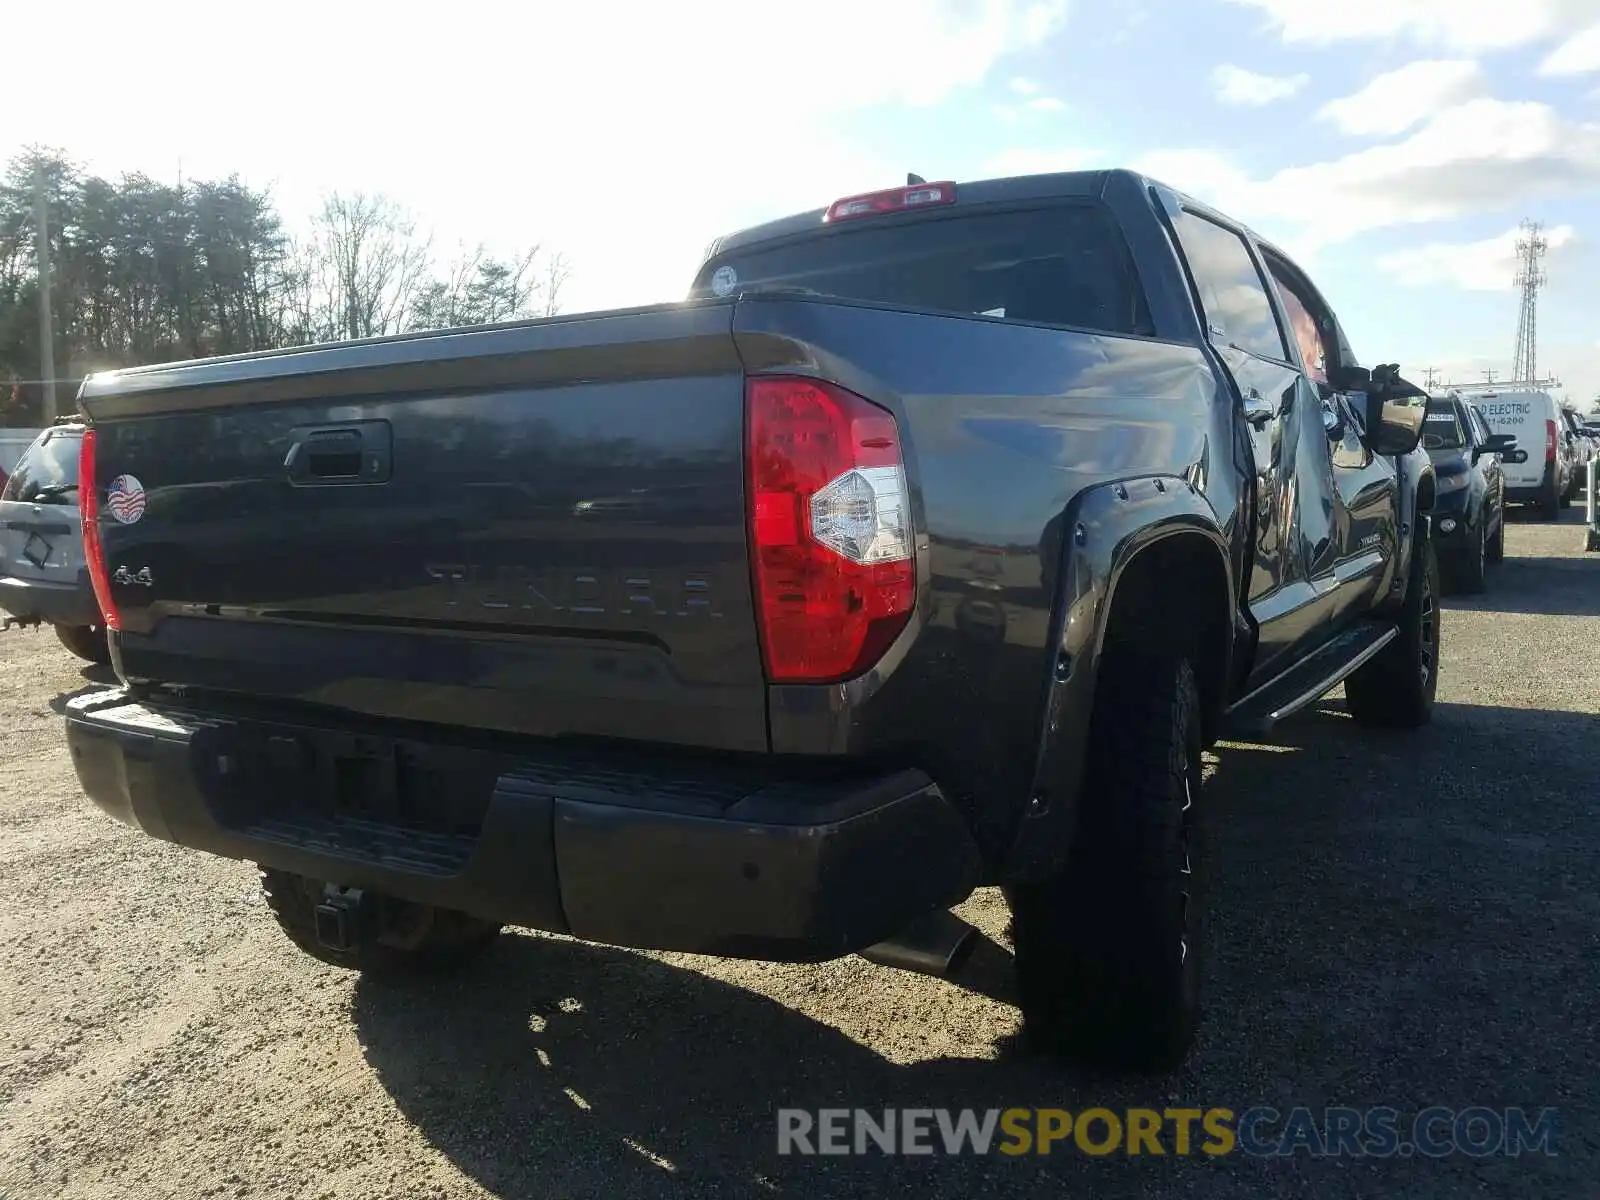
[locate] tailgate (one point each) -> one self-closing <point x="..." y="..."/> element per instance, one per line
<point x="536" y="528"/>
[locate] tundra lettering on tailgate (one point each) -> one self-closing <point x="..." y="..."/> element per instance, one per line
<point x="626" y="593"/>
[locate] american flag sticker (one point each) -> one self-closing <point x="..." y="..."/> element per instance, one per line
<point x="125" y="499"/>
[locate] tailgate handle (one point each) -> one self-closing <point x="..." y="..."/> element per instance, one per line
<point x="355" y="452"/>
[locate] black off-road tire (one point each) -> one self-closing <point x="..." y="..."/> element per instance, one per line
<point x="1549" y="502"/>
<point x="1109" y="950"/>
<point x="413" y="939"/>
<point x="1396" y="689"/>
<point x="88" y="642"/>
<point x="1496" y="549"/>
<point x="1471" y="574"/>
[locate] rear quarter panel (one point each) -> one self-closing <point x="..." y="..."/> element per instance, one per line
<point x="1004" y="426"/>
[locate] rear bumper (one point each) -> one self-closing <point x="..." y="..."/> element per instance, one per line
<point x="58" y="603"/>
<point x="669" y="855"/>
<point x="1527" y="492"/>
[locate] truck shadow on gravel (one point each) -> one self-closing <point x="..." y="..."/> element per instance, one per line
<point x="1386" y="912"/>
<point x="1544" y="586"/>
<point x="96" y="679"/>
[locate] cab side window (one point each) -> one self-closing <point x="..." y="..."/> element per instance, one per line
<point x="1233" y="294"/>
<point x="1313" y="351"/>
<point x="1480" y="431"/>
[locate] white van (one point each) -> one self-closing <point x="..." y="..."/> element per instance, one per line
<point x="1534" y="419"/>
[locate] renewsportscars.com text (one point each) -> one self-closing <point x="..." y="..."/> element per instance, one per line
<point x="1261" y="1131"/>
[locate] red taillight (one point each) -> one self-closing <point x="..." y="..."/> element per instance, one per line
<point x="830" y="529"/>
<point x="94" y="553"/>
<point x="919" y="195"/>
<point x="1549" y="441"/>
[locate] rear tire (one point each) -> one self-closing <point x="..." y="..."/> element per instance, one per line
<point x="1496" y="551"/>
<point x="1396" y="688"/>
<point x="1472" y="575"/>
<point x="409" y="939"/>
<point x="1549" y="502"/>
<point x="88" y="642"/>
<point x="1109" y="950"/>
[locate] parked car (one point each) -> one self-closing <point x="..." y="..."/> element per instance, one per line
<point x="381" y="649"/>
<point x="43" y="574"/>
<point x="1583" y="450"/>
<point x="1534" y="419"/>
<point x="1469" y="511"/>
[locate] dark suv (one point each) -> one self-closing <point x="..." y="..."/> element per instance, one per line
<point x="1469" y="507"/>
<point x="43" y="576"/>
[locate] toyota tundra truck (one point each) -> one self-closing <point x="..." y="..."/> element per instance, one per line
<point x="922" y="548"/>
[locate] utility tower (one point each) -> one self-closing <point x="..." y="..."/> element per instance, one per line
<point x="1531" y="247"/>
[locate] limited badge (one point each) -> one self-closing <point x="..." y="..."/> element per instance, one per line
<point x="125" y="498"/>
<point x="723" y="280"/>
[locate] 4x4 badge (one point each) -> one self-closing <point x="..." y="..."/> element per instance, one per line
<point x="143" y="578"/>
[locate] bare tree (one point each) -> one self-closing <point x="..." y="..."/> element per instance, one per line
<point x="557" y="271"/>
<point x="480" y="289"/>
<point x="146" y="271"/>
<point x="372" y="262"/>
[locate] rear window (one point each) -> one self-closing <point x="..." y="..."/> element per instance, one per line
<point x="48" y="470"/>
<point x="1064" y="265"/>
<point x="1443" y="428"/>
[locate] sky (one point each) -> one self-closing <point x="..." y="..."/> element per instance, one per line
<point x="1391" y="146"/>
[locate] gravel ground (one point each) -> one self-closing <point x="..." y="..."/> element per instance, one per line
<point x="1402" y="920"/>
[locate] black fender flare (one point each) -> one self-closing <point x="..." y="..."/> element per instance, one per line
<point x="1415" y="481"/>
<point x="1090" y="546"/>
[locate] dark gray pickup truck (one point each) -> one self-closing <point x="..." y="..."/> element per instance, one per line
<point x="924" y="547"/>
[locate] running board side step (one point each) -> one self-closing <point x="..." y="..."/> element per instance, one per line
<point x="1306" y="682"/>
<point x="937" y="943"/>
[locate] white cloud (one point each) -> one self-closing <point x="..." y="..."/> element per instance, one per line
<point x="1237" y="86"/>
<point x="1394" y="102"/>
<point x="1579" y="55"/>
<point x="1464" y="25"/>
<point x="1032" y="107"/>
<point x="1477" y="156"/>
<point x="1024" y="87"/>
<point x="1041" y="162"/>
<point x="1485" y="266"/>
<point x="629" y="152"/>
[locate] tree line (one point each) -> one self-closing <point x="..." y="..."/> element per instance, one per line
<point x="144" y="271"/>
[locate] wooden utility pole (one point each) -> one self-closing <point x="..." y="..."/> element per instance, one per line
<point x="47" y="347"/>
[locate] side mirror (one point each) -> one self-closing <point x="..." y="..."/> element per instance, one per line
<point x="1497" y="443"/>
<point x="1396" y="409"/>
<point x="1349" y="379"/>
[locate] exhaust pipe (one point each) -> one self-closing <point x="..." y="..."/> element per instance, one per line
<point x="937" y="943"/>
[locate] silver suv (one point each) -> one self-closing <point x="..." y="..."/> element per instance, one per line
<point x="43" y="576"/>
